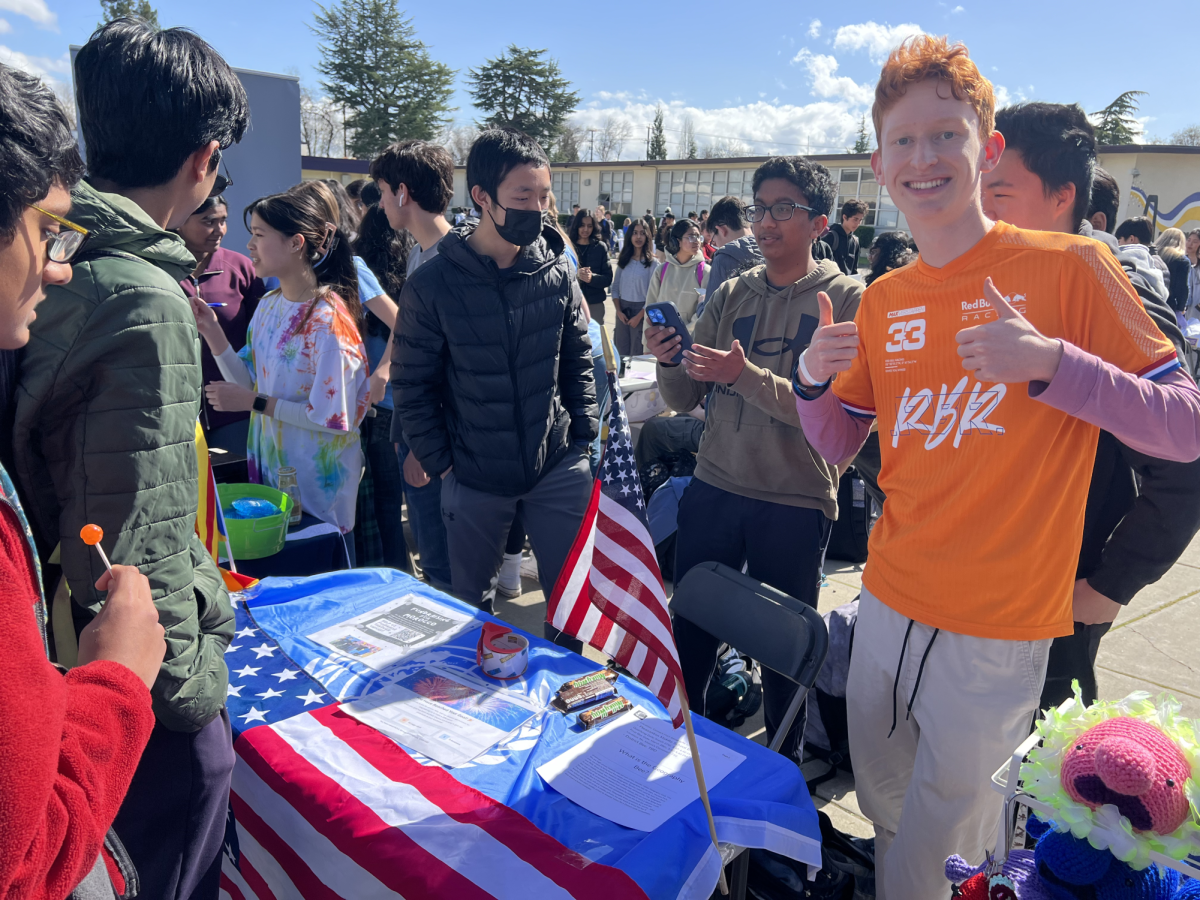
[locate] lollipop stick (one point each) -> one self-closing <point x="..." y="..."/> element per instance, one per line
<point x="103" y="557"/>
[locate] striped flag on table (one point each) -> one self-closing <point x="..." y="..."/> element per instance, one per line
<point x="610" y="592"/>
<point x="324" y="807"/>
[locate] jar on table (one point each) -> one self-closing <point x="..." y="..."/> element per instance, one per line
<point x="288" y="485"/>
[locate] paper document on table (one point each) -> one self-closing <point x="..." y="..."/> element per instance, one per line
<point x="448" y="716"/>
<point x="394" y="631"/>
<point x="637" y="770"/>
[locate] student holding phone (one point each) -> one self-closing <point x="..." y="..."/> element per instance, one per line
<point x="760" y="495"/>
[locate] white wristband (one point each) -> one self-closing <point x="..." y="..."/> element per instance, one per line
<point x="809" y="381"/>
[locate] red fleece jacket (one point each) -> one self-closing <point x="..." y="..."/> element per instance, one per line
<point x="68" y="745"/>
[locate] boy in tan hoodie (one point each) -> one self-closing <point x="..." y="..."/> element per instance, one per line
<point x="761" y="496"/>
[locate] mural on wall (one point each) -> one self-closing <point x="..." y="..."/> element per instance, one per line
<point x="1185" y="216"/>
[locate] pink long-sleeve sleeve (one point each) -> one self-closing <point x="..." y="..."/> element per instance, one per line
<point x="1159" y="418"/>
<point x="830" y="429"/>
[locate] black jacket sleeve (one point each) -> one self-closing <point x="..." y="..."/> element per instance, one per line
<point x="602" y="274"/>
<point x="576" y="379"/>
<point x="418" y="382"/>
<point x="1177" y="296"/>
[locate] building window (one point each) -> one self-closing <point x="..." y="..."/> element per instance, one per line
<point x="693" y="190"/>
<point x="860" y="184"/>
<point x="616" y="192"/>
<point x="565" y="184"/>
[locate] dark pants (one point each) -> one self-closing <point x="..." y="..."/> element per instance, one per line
<point x="780" y="546"/>
<point x="425" y="519"/>
<point x="667" y="434"/>
<point x="387" y="487"/>
<point x="173" y="819"/>
<point x="1073" y="657"/>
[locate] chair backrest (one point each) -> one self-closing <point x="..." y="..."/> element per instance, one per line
<point x="783" y="634"/>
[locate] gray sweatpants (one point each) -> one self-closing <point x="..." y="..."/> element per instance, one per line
<point x="477" y="526"/>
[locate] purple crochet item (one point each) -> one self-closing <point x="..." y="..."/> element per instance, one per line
<point x="1019" y="866"/>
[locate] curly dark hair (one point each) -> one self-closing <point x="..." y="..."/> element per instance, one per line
<point x="811" y="179"/>
<point x="385" y="251"/>
<point x="891" y="250"/>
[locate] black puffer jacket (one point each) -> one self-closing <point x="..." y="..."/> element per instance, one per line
<point x="492" y="371"/>
<point x="595" y="257"/>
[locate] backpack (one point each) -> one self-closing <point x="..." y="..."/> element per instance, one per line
<point x="826" y="734"/>
<point x="847" y="870"/>
<point x="662" y="273"/>
<point x="857" y="514"/>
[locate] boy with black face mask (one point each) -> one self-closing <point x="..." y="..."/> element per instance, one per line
<point x="495" y="390"/>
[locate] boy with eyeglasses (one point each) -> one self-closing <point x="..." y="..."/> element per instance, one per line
<point x="106" y="420"/>
<point x="991" y="363"/>
<point x="760" y="496"/>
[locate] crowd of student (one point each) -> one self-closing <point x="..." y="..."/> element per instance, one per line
<point x="458" y="367"/>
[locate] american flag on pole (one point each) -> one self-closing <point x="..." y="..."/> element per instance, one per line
<point x="610" y="592"/>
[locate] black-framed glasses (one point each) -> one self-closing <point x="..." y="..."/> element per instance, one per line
<point x="222" y="182"/>
<point x="780" y="212"/>
<point x="64" y="245"/>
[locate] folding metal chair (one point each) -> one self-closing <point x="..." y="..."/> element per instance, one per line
<point x="783" y="634"/>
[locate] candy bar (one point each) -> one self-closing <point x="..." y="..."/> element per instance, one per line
<point x="602" y="675"/>
<point x="589" y="693"/>
<point x="608" y="710"/>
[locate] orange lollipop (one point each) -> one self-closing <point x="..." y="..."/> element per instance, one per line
<point x="92" y="535"/>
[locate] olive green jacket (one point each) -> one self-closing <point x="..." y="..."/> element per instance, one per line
<point x="105" y="433"/>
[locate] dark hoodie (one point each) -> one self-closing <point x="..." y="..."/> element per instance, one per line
<point x="493" y="369"/>
<point x="730" y="261"/>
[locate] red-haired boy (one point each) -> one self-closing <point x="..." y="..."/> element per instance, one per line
<point x="991" y="364"/>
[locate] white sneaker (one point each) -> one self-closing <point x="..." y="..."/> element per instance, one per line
<point x="509" y="582"/>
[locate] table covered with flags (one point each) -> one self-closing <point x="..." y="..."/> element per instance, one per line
<point x="324" y="806"/>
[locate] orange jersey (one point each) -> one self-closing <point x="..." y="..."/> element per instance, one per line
<point x="986" y="486"/>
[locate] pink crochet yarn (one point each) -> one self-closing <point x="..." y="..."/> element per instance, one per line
<point x="1132" y="765"/>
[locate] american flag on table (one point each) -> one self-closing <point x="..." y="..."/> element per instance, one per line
<point x="610" y="592"/>
<point x="324" y="807"/>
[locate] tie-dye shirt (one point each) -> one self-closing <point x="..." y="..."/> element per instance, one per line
<point x="325" y="367"/>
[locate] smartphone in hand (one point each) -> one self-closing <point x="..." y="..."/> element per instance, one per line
<point x="667" y="315"/>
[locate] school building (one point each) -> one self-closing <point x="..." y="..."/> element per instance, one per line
<point x="1152" y="178"/>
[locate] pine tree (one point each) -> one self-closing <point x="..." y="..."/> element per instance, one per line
<point x="114" y="9"/>
<point x="658" y="137"/>
<point x="862" y="143"/>
<point x="523" y="89"/>
<point x="383" y="75"/>
<point x="1117" y="124"/>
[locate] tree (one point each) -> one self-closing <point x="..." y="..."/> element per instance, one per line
<point x="525" y="90"/>
<point x="658" y="137"/>
<point x="458" y="140"/>
<point x="724" y="148"/>
<point x="687" y="139"/>
<point x="381" y="74"/>
<point x="862" y="144"/>
<point x="1117" y="124"/>
<point x="612" y="138"/>
<point x="568" y="146"/>
<point x="114" y="9"/>
<point x="1187" y="137"/>
<point x="322" y="128"/>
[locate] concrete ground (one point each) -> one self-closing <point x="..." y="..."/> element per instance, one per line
<point x="1154" y="646"/>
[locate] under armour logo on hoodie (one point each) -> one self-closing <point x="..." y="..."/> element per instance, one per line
<point x="743" y="331"/>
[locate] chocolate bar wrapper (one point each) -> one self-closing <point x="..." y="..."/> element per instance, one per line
<point x="608" y="710"/>
<point x="603" y="675"/>
<point x="589" y="693"/>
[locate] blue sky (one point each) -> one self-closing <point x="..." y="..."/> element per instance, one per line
<point x="770" y="75"/>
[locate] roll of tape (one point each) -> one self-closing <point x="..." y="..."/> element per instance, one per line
<point x="501" y="653"/>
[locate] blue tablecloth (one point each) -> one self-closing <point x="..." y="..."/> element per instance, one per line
<point x="763" y="803"/>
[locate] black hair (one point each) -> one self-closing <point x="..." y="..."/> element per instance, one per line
<point x="893" y="249"/>
<point x="1105" y="198"/>
<point x="729" y="211"/>
<point x="355" y="188"/>
<point x="385" y="251"/>
<point x="37" y="148"/>
<point x="627" y="249"/>
<point x="577" y="220"/>
<point x="852" y="208"/>
<point x="495" y="153"/>
<point x="674" y="237"/>
<point x="371" y="195"/>
<point x="310" y="210"/>
<point x="811" y="179"/>
<point x="347" y="215"/>
<point x="149" y="99"/>
<point x="209" y="204"/>
<point x="1139" y="228"/>
<point x="1056" y="142"/>
<point x="426" y="169"/>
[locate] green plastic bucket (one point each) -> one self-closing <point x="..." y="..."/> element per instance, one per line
<point x="255" y="538"/>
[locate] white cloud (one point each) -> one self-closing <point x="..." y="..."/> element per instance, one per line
<point x="5" y="28"/>
<point x="957" y="9"/>
<point x="814" y="28"/>
<point x="825" y="83"/>
<point x="41" y="66"/>
<point x="878" y="40"/>
<point x="37" y="10"/>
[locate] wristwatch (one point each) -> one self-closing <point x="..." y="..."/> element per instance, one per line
<point x="260" y="403"/>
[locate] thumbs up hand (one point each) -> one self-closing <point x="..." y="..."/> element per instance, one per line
<point x="834" y="345"/>
<point x="1007" y="349"/>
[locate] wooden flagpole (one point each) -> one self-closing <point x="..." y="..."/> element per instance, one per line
<point x="691" y="736"/>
